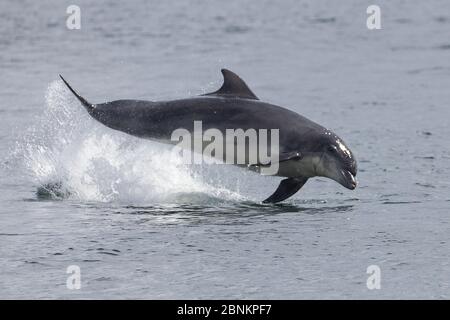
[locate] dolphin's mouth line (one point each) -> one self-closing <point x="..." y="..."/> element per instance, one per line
<point x="350" y="179"/>
<point x="320" y="161"/>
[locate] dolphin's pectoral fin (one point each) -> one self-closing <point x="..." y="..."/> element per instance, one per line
<point x="287" y="188"/>
<point x="282" y="157"/>
<point x="233" y="86"/>
<point x="286" y="156"/>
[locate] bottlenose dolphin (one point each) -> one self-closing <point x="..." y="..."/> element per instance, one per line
<point x="306" y="148"/>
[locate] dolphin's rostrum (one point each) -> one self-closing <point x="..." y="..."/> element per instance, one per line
<point x="306" y="149"/>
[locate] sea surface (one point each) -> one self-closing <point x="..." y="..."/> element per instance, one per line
<point x="140" y="224"/>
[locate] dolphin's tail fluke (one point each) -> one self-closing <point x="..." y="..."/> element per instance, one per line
<point x="89" y="106"/>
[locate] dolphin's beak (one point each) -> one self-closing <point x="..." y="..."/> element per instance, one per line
<point x="347" y="179"/>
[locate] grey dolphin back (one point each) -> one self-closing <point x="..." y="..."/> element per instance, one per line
<point x="288" y="187"/>
<point x="233" y="86"/>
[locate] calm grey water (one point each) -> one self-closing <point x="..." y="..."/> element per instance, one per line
<point x="140" y="225"/>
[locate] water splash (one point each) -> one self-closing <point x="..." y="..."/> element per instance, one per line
<point x="69" y="155"/>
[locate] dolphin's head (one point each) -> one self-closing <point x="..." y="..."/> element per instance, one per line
<point x="336" y="161"/>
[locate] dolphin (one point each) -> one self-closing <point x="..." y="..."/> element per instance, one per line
<point x="306" y="149"/>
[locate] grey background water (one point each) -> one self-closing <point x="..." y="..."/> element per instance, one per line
<point x="141" y="226"/>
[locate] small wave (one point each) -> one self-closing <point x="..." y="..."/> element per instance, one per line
<point x="236" y="29"/>
<point x="52" y="191"/>
<point x="442" y="19"/>
<point x="400" y="202"/>
<point x="324" y="20"/>
<point x="443" y="47"/>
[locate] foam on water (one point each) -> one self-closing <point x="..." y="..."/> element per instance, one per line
<point x="70" y="155"/>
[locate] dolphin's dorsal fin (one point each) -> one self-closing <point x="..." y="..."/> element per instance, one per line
<point x="233" y="86"/>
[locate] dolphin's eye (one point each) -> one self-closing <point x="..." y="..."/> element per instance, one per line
<point x="331" y="149"/>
